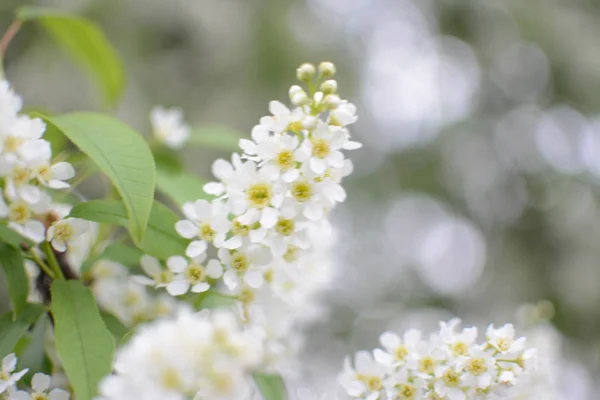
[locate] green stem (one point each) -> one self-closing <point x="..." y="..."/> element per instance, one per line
<point x="41" y="263"/>
<point x="52" y="260"/>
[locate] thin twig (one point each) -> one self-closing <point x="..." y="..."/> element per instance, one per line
<point x="8" y="35"/>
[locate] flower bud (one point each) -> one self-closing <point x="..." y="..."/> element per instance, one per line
<point x="305" y="72"/>
<point x="329" y="86"/>
<point x="298" y="96"/>
<point x="326" y="69"/>
<point x="331" y="101"/>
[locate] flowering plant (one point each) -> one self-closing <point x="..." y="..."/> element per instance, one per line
<point x="132" y="301"/>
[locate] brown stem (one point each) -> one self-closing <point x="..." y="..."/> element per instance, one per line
<point x="8" y="35"/>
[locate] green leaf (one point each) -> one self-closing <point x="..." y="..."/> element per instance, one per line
<point x="167" y="159"/>
<point x="85" y="42"/>
<point x="18" y="284"/>
<point x="83" y="343"/>
<point x="11" y="237"/>
<point x="180" y="187"/>
<point x="122" y="154"/>
<point x="160" y="241"/>
<point x="215" y="137"/>
<point x="121" y="253"/>
<point x="115" y="326"/>
<point x="11" y="331"/>
<point x="33" y="355"/>
<point x="271" y="387"/>
<point x="212" y="299"/>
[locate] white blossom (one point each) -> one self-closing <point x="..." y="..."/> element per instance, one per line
<point x="168" y="126"/>
<point x="63" y="233"/>
<point x="449" y="365"/>
<point x="8" y="376"/>
<point x="204" y="355"/>
<point x="192" y="274"/>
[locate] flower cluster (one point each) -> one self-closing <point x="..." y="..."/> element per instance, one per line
<point x="203" y="356"/>
<point x="449" y="365"/>
<point x="124" y="296"/>
<point x="266" y="233"/>
<point x="26" y="170"/>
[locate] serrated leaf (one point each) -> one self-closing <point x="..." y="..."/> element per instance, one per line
<point x="14" y="270"/>
<point x="161" y="239"/>
<point x="12" y="330"/>
<point x="122" y="154"/>
<point x="215" y="137"/>
<point x="83" y="343"/>
<point x="271" y="387"/>
<point x="180" y="187"/>
<point x="85" y="42"/>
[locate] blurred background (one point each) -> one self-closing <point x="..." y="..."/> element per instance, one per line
<point x="478" y="188"/>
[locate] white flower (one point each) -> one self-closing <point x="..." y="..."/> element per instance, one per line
<point x="322" y="149"/>
<point x="54" y="176"/>
<point x="449" y="383"/>
<point x="159" y="277"/>
<point x="40" y="383"/>
<point x="21" y="217"/>
<point x="254" y="196"/>
<point x="224" y="171"/>
<point x="244" y="265"/>
<point x="479" y="368"/>
<point x="503" y="339"/>
<point x="365" y="380"/>
<point x="344" y="114"/>
<point x="8" y="377"/>
<point x="283" y="119"/>
<point x="398" y="350"/>
<point x="276" y="152"/>
<point x="191" y="275"/>
<point x="65" y="232"/>
<point x="206" y="221"/>
<point x="169" y="127"/>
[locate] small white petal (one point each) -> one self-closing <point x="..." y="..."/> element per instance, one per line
<point x="178" y="287"/>
<point x="63" y="171"/>
<point x="177" y="264"/>
<point x="150" y="265"/>
<point x="200" y="287"/>
<point x="187" y="229"/>
<point x="254" y="279"/>
<point x="214" y="188"/>
<point x="317" y="165"/>
<point x="214" y="269"/>
<point x="59" y="394"/>
<point x="268" y="217"/>
<point x="196" y="248"/>
<point x="40" y="382"/>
